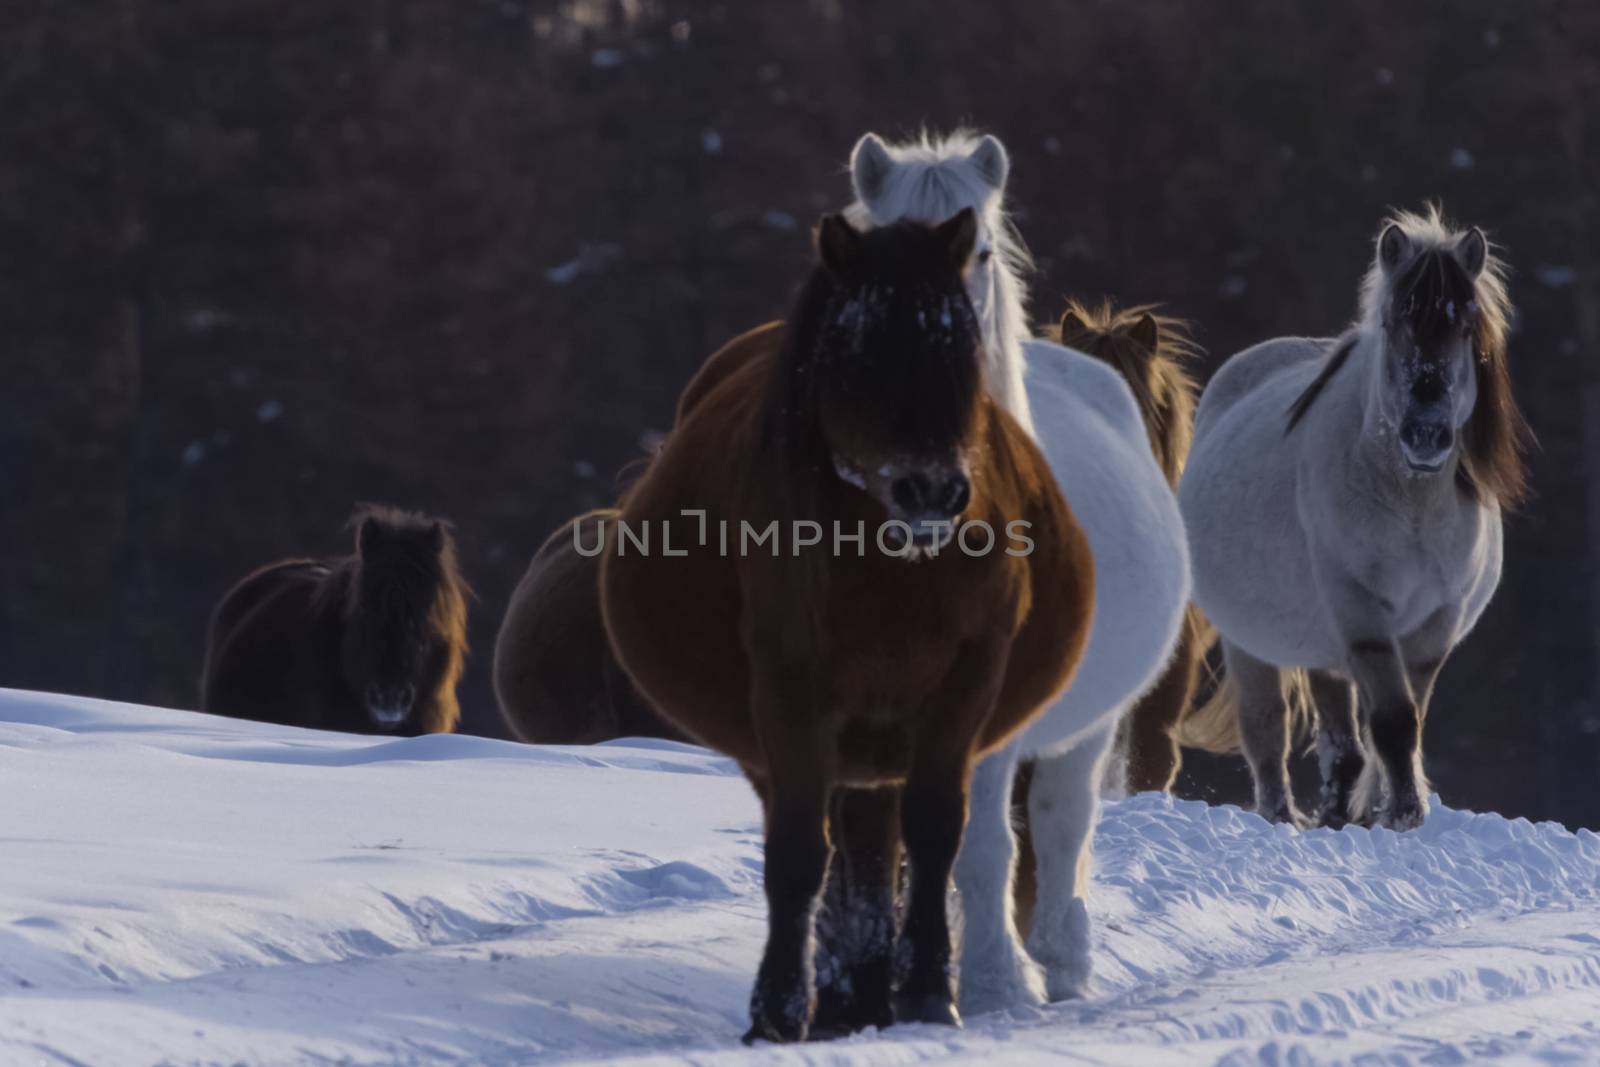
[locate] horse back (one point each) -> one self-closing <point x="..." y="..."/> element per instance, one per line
<point x="259" y="639"/>
<point x="1286" y="364"/>
<point x="556" y="679"/>
<point x="725" y="362"/>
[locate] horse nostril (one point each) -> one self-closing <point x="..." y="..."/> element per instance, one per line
<point x="1421" y="436"/>
<point x="911" y="493"/>
<point x="957" y="494"/>
<point x="408" y="696"/>
<point x="373" y="695"/>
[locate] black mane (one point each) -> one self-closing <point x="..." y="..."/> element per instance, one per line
<point x="896" y="337"/>
<point x="1434" y="300"/>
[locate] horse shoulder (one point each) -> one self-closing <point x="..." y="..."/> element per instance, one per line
<point x="1488" y="561"/>
<point x="725" y="362"/>
<point x="1059" y="594"/>
<point x="674" y="622"/>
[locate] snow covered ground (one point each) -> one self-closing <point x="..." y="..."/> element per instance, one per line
<point x="180" y="889"/>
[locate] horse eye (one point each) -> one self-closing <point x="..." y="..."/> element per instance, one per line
<point x="983" y="257"/>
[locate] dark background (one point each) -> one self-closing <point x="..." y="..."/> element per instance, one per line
<point x="259" y="261"/>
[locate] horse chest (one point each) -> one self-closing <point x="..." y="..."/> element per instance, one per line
<point x="1415" y="567"/>
<point x="890" y="645"/>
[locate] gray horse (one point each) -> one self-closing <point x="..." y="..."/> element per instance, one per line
<point x="1343" y="501"/>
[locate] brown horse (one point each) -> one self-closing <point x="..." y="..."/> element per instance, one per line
<point x="368" y="643"/>
<point x="556" y="680"/>
<point x="802" y="600"/>
<point x="1149" y="350"/>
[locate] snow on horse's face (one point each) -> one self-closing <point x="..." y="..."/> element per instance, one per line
<point x="895" y="369"/>
<point x="1429" y="383"/>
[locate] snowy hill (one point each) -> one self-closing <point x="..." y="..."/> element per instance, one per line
<point x="181" y="889"/>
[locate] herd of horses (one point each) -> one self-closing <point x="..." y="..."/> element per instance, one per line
<point x="912" y="696"/>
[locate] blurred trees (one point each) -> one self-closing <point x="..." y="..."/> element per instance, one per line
<point x="259" y="262"/>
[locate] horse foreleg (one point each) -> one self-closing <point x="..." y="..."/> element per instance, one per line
<point x="1264" y="732"/>
<point x="1062" y="804"/>
<point x="795" y="788"/>
<point x="1395" y="726"/>
<point x="933" y="811"/>
<point x="1339" y="752"/>
<point x="856" y="925"/>
<point x="932" y="815"/>
<point x="996" y="972"/>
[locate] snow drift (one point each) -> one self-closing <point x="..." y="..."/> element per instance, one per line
<point x="177" y="889"/>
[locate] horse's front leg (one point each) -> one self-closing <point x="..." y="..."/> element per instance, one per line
<point x="996" y="972"/>
<point x="1339" y="754"/>
<point x="795" y="788"/>
<point x="1395" y="726"/>
<point x="856" y="926"/>
<point x="933" y="813"/>
<point x="1063" y="801"/>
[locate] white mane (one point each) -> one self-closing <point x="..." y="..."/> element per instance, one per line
<point x="931" y="179"/>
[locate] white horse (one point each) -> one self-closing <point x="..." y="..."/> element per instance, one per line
<point x="1343" y="500"/>
<point x="1085" y="419"/>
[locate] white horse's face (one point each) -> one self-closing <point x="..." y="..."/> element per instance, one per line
<point x="895" y="188"/>
<point x="1429" y="378"/>
<point x="983" y="279"/>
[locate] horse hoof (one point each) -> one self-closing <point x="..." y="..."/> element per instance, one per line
<point x="1011" y="985"/>
<point x="779" y="1027"/>
<point x="838" y="1016"/>
<point x="936" y="1008"/>
<point x="1333" y="817"/>
<point x="1406" y="815"/>
<point x="1287" y="814"/>
<point x="779" y="1033"/>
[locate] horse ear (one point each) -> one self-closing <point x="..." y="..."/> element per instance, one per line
<point x="1393" y="245"/>
<point x="960" y="236"/>
<point x="1146" y="333"/>
<point x="870" y="164"/>
<point x="1072" y="325"/>
<point x="991" y="161"/>
<point x="438" y="532"/>
<point x="838" y="244"/>
<point x="368" y="535"/>
<point x="1472" y="250"/>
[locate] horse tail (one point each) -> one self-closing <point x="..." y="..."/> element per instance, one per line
<point x="1213" y="726"/>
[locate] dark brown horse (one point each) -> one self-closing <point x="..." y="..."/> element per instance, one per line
<point x="1150" y="351"/>
<point x="806" y="604"/>
<point x="368" y="643"/>
<point x="556" y="680"/>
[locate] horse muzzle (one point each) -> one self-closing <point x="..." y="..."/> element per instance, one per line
<point x="1426" y="444"/>
<point x="930" y="502"/>
<point x="388" y="708"/>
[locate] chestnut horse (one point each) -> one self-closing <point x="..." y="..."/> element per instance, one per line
<point x="369" y="643"/>
<point x="810" y="598"/>
<point x="1149" y="350"/>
